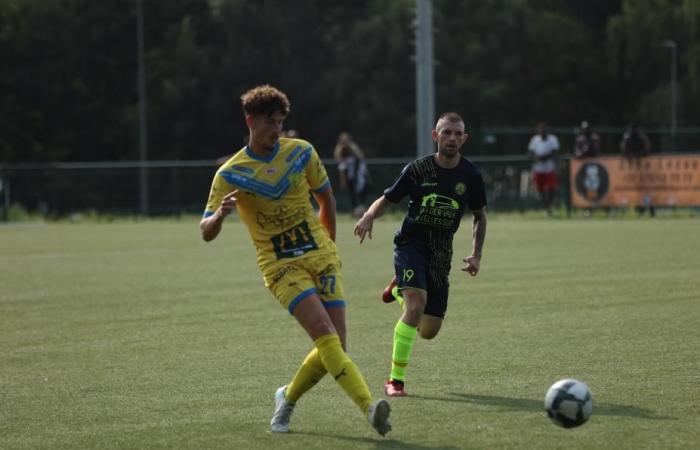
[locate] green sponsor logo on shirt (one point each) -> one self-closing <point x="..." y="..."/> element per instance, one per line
<point x="439" y="201"/>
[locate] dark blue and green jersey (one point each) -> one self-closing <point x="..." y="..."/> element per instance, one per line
<point x="437" y="196"/>
<point x="437" y="200"/>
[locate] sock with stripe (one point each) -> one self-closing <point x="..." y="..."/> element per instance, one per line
<point x="404" y="337"/>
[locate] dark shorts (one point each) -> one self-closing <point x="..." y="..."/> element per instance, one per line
<point x="411" y="262"/>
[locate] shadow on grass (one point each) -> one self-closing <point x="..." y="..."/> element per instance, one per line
<point x="380" y="443"/>
<point x="524" y="404"/>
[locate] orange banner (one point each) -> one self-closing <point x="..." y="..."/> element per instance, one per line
<point x="660" y="180"/>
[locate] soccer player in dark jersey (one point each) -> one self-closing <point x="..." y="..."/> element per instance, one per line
<point x="440" y="187"/>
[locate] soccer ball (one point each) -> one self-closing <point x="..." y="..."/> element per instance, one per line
<point x="568" y="403"/>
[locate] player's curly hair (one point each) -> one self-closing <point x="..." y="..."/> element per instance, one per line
<point x="265" y="100"/>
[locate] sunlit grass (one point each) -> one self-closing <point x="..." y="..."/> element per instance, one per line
<point x="140" y="335"/>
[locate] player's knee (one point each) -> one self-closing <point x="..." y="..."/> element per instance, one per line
<point x="414" y="311"/>
<point x="321" y="327"/>
<point x="414" y="300"/>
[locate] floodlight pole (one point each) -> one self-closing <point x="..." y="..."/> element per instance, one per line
<point x="425" y="84"/>
<point x="674" y="90"/>
<point x="143" y="128"/>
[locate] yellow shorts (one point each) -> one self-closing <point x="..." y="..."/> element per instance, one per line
<point x="293" y="282"/>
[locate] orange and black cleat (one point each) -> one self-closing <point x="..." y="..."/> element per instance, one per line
<point x="395" y="388"/>
<point x="388" y="294"/>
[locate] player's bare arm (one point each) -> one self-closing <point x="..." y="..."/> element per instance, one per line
<point x="327" y="208"/>
<point x="211" y="226"/>
<point x="364" y="225"/>
<point x="473" y="262"/>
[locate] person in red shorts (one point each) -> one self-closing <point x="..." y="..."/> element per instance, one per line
<point x="542" y="149"/>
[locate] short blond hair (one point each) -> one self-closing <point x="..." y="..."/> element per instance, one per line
<point x="449" y="117"/>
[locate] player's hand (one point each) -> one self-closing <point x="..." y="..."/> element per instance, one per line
<point x="364" y="227"/>
<point x="472" y="265"/>
<point x="228" y="203"/>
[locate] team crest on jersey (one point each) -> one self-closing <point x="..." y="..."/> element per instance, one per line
<point x="460" y="188"/>
<point x="295" y="179"/>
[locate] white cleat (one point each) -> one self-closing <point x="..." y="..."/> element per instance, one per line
<point x="378" y="416"/>
<point x="283" y="412"/>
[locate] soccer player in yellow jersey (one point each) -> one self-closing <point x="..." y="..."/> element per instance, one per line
<point x="268" y="183"/>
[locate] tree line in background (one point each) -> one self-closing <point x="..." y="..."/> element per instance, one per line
<point x="69" y="70"/>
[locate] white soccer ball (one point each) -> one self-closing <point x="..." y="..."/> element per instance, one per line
<point x="569" y="403"/>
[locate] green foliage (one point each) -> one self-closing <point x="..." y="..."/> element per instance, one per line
<point x="69" y="70"/>
<point x="640" y="61"/>
<point x="17" y="213"/>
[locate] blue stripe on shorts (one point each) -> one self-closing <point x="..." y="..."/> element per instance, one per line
<point x="334" y="304"/>
<point x="299" y="298"/>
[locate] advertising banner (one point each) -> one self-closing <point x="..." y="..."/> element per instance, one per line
<point x="615" y="181"/>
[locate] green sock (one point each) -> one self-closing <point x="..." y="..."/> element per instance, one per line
<point x="404" y="337"/>
<point x="397" y="295"/>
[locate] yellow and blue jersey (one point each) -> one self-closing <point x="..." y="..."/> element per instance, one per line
<point x="273" y="201"/>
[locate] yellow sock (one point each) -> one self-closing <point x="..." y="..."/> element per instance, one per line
<point x="310" y="372"/>
<point x="345" y="372"/>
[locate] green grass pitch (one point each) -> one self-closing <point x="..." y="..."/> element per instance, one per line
<point x="140" y="335"/>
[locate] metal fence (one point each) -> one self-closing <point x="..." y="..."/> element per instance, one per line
<point x="182" y="187"/>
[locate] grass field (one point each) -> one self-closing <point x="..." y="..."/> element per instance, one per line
<point x="140" y="335"/>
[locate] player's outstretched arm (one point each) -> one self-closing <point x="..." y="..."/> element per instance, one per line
<point x="364" y="225"/>
<point x="473" y="261"/>
<point x="211" y="226"/>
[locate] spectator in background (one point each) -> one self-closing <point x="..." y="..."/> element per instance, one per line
<point x="635" y="145"/>
<point x="542" y="149"/>
<point x="587" y="143"/>
<point x="352" y="168"/>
